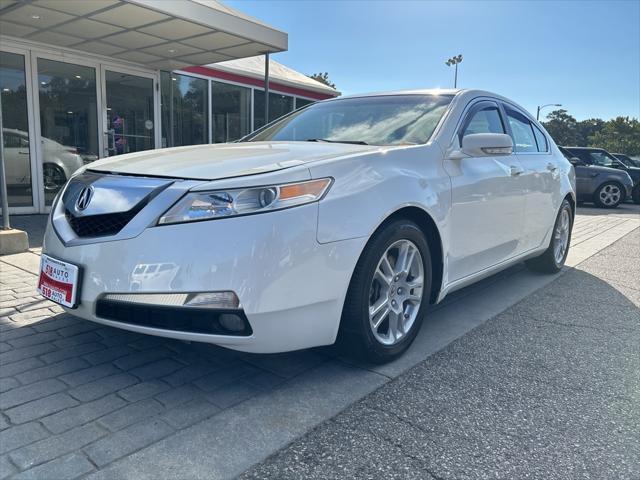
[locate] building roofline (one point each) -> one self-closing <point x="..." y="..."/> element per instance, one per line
<point x="251" y="80"/>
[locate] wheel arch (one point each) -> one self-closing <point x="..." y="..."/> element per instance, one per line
<point x="570" y="197"/>
<point x="430" y="230"/>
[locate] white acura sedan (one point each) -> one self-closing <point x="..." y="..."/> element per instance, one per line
<point x="340" y="221"/>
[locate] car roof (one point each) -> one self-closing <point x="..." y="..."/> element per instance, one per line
<point x="463" y="94"/>
<point x="429" y="91"/>
<point x="424" y="91"/>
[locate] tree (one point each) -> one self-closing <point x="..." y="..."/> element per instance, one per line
<point x="622" y="134"/>
<point x="563" y="128"/>
<point x="323" y="78"/>
<point x="588" y="128"/>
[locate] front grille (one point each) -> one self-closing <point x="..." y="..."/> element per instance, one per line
<point x="179" y="319"/>
<point x="97" y="217"/>
<point x="100" y="225"/>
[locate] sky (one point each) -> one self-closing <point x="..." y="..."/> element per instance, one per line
<point x="584" y="55"/>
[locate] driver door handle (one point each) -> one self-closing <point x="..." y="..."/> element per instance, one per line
<point x="515" y="170"/>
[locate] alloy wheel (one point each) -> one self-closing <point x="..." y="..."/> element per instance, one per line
<point x="54" y="177"/>
<point x="561" y="236"/>
<point x="610" y="194"/>
<point x="395" y="294"/>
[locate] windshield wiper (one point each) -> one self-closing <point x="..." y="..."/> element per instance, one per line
<point x="325" y="140"/>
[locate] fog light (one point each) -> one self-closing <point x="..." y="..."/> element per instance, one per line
<point x="231" y="322"/>
<point x="212" y="300"/>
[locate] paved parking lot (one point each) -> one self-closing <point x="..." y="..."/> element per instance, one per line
<point x="81" y="399"/>
<point x="547" y="389"/>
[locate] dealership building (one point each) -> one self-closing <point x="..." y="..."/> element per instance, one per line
<point x="82" y="80"/>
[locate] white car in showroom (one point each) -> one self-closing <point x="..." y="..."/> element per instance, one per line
<point x="340" y="221"/>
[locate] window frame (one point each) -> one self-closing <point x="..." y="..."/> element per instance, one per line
<point x="475" y="108"/>
<point x="506" y="105"/>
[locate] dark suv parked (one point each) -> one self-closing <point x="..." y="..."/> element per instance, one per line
<point x="605" y="186"/>
<point x="627" y="160"/>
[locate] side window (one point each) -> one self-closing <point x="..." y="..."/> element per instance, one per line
<point x="541" y="140"/>
<point x="523" y="136"/>
<point x="484" y="120"/>
<point x="599" y="158"/>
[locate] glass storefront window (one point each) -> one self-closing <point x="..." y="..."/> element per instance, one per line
<point x="278" y="105"/>
<point x="130" y="113"/>
<point x="15" y="129"/>
<point x="231" y="112"/>
<point x="184" y="102"/>
<point x="68" y="121"/>
<point x="301" y="102"/>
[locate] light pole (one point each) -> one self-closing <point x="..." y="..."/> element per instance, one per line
<point x="540" y="107"/>
<point x="454" y="61"/>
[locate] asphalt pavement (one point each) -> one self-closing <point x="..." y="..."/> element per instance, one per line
<point x="549" y="388"/>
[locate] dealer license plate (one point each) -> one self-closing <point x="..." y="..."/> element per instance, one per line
<point x="58" y="281"/>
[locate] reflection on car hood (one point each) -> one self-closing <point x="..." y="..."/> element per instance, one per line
<point x="213" y="162"/>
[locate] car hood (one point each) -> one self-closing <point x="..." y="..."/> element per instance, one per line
<point x="634" y="172"/>
<point x="224" y="160"/>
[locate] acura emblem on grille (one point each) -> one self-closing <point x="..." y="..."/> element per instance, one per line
<point x="84" y="198"/>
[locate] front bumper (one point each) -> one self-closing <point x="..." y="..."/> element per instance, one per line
<point x="290" y="287"/>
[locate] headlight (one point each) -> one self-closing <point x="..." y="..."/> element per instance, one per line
<point x="196" y="206"/>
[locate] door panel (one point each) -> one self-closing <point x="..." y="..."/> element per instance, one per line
<point x="541" y="177"/>
<point x="488" y="203"/>
<point x="130" y="113"/>
<point x="584" y="182"/>
<point x="487" y="213"/>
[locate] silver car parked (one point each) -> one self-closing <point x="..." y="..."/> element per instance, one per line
<point x="58" y="161"/>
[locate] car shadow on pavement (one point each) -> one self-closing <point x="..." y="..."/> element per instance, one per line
<point x="630" y="210"/>
<point x="550" y="384"/>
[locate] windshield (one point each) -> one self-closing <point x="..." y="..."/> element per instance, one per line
<point x="628" y="161"/>
<point x="381" y="120"/>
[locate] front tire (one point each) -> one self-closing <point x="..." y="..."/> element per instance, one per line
<point x="53" y="177"/>
<point x="609" y="195"/>
<point x="553" y="258"/>
<point x="388" y="293"/>
<point x="635" y="194"/>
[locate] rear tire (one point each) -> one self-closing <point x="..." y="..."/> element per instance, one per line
<point x="609" y="195"/>
<point x="388" y="294"/>
<point x="553" y="258"/>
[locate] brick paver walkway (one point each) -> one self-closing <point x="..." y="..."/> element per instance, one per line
<point x="78" y="395"/>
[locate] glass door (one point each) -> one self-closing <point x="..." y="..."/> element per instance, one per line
<point x="68" y="101"/>
<point x="129" y="112"/>
<point x="16" y="131"/>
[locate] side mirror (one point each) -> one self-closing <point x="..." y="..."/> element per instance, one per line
<point x="487" y="144"/>
<point x="617" y="164"/>
<point x="576" y="161"/>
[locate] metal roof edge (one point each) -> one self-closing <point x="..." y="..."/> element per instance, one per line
<point x="202" y="14"/>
